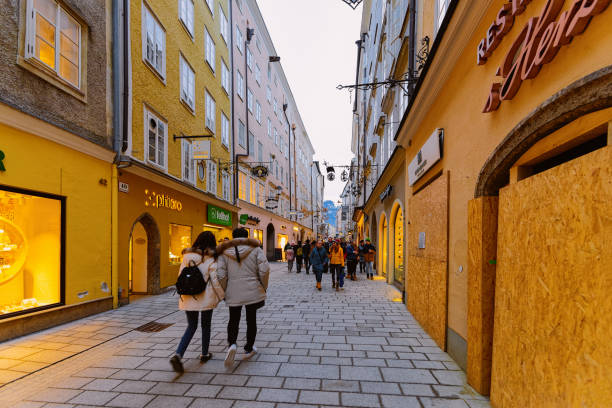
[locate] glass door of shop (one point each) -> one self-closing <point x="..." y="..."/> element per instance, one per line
<point x="398" y="239"/>
<point x="281" y="242"/>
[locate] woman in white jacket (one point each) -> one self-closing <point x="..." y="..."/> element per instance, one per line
<point x="202" y="253"/>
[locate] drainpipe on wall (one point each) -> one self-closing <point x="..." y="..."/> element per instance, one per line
<point x="247" y="41"/>
<point x="232" y="111"/>
<point x="285" y="106"/>
<point x="412" y="45"/>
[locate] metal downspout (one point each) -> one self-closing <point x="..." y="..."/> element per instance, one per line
<point x="117" y="138"/>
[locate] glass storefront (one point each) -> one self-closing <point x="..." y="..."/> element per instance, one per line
<point x="31" y="251"/>
<point x="258" y="234"/>
<point x="398" y="239"/>
<point x="180" y="238"/>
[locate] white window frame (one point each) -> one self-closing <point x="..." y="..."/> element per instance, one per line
<point x="250" y="100"/>
<point x="258" y="112"/>
<point x="186" y="15"/>
<point x="249" y="57"/>
<point x="270" y="128"/>
<point x="239" y="40"/>
<point x="210" y="49"/>
<point x="146" y="15"/>
<point x="30" y="52"/>
<point x="241" y="140"/>
<point x="211" y="6"/>
<point x="226" y="186"/>
<point x="211" y="177"/>
<point x="225" y="77"/>
<point x="239" y="85"/>
<point x="441" y="9"/>
<point x="259" y="151"/>
<point x="258" y="74"/>
<point x="148" y="115"/>
<point x="225" y="125"/>
<point x="275" y="107"/>
<point x="224" y="25"/>
<point x="211" y="112"/>
<point x="188" y="167"/>
<point x="187" y="79"/>
<point x="269" y="94"/>
<point x="275" y="137"/>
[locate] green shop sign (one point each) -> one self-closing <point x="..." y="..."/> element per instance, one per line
<point x="244" y="218"/>
<point x="219" y="216"/>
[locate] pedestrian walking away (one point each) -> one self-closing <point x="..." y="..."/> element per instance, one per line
<point x="201" y="255"/>
<point x="318" y="260"/>
<point x="299" y="256"/>
<point x="370" y="252"/>
<point x="306" y="248"/>
<point x="290" y="255"/>
<point x="361" y="251"/>
<point x="336" y="262"/>
<point x="243" y="271"/>
<point x="351" y="260"/>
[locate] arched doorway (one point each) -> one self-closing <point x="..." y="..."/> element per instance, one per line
<point x="270" y="242"/>
<point x="144" y="259"/>
<point x="397" y="245"/>
<point x="383" y="248"/>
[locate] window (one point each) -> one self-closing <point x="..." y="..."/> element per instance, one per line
<point x="249" y="57"/>
<point x="239" y="40"/>
<point x="241" y="134"/>
<point x="211" y="177"/>
<point x="188" y="163"/>
<point x="32" y="274"/>
<point x="258" y="112"/>
<point x="209" y="49"/>
<point x="153" y="42"/>
<point x="282" y="176"/>
<point x="250" y="100"/>
<point x="155" y="140"/>
<point x="275" y="137"/>
<point x="261" y="201"/>
<point x="252" y="191"/>
<point x="224" y="130"/>
<point x="242" y="189"/>
<point x="251" y="144"/>
<point x="211" y="6"/>
<point x="269" y="128"/>
<point x="187" y="84"/>
<point x="226" y="186"/>
<point x="269" y="94"/>
<point x="225" y="28"/>
<point x="259" y="152"/>
<point x="211" y="111"/>
<point x="258" y="44"/>
<point x="441" y="7"/>
<point x="258" y="74"/>
<point x="54" y="38"/>
<point x="186" y="14"/>
<point x="269" y="72"/>
<point x="180" y="238"/>
<point x="239" y="85"/>
<point x="225" y="77"/>
<point x="275" y="107"/>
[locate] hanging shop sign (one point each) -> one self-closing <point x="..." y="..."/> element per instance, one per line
<point x="201" y="149"/>
<point x="156" y="200"/>
<point x="219" y="216"/>
<point x="259" y="171"/>
<point x="386" y="193"/>
<point x="271" y="204"/>
<point x="244" y="218"/>
<point x="2" y="156"/>
<point x="537" y="43"/>
<point x="430" y="154"/>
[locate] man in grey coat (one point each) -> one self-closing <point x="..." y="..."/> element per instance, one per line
<point x="243" y="271"/>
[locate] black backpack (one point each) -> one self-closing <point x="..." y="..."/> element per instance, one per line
<point x="190" y="280"/>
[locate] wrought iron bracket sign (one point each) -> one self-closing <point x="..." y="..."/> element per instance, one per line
<point x="386" y="193"/>
<point x="259" y="171"/>
<point x="174" y="137"/>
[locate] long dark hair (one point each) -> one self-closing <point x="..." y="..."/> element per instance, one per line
<point x="206" y="242"/>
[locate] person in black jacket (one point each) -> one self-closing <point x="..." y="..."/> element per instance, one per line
<point x="306" y="254"/>
<point x="299" y="256"/>
<point x="361" y="252"/>
<point x="351" y="261"/>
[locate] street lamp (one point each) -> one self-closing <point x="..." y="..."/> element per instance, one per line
<point x="353" y="3"/>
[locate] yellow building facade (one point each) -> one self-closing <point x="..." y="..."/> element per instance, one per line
<point x="180" y="87"/>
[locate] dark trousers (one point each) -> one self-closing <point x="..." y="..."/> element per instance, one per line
<point x="352" y="267"/>
<point x="318" y="274"/>
<point x="251" y="321"/>
<point x="337" y="273"/>
<point x="362" y="266"/>
<point x="307" y="264"/>
<point x="299" y="261"/>
<point x="192" y="325"/>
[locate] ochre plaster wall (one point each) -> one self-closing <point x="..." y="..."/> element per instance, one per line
<point x="553" y="311"/>
<point x="40" y="165"/>
<point x="426" y="275"/>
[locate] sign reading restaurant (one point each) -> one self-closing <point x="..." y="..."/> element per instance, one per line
<point x="219" y="216"/>
<point x="537" y="43"/>
<point x="430" y="154"/>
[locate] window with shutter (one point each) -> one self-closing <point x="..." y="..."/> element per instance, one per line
<point x="155" y="140"/>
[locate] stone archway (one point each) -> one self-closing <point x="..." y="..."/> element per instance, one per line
<point x="153" y="244"/>
<point x="270" y="236"/>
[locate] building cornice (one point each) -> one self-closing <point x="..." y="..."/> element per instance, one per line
<point x="395" y="162"/>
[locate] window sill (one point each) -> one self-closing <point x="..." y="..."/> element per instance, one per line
<point x="156" y="166"/>
<point x="51" y="76"/>
<point x="188" y="107"/>
<point x="154" y="71"/>
<point x="189" y="33"/>
<point x="212" y="69"/>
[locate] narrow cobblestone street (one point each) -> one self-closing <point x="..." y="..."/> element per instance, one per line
<point x="355" y="348"/>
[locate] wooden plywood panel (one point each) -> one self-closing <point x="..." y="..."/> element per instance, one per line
<point x="553" y="309"/>
<point x="416" y="289"/>
<point x="482" y="249"/>
<point x="436" y="304"/>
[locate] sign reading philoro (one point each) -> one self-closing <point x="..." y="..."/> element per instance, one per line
<point x="219" y="216"/>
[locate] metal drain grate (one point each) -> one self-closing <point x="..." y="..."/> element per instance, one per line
<point x="153" y="327"/>
<point x="288" y="306"/>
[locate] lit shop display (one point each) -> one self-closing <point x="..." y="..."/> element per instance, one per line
<point x="399" y="246"/>
<point x="180" y="238"/>
<point x="30" y="252"/>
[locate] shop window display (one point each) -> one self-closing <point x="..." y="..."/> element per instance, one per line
<point x="399" y="246"/>
<point x="30" y="252"/>
<point x="180" y="238"/>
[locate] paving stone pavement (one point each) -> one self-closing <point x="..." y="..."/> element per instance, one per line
<point x="356" y="348"/>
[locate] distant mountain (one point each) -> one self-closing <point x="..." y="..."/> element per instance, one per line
<point x="330" y="216"/>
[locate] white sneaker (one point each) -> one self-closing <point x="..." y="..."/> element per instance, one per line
<point x="251" y="354"/>
<point x="231" y="354"/>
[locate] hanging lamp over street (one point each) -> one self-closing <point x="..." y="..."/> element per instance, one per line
<point x="353" y="3"/>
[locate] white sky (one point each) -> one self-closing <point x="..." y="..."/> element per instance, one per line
<point x="316" y="42"/>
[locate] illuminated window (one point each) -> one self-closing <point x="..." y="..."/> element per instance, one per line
<point x="209" y="49"/>
<point x="54" y="38"/>
<point x="31" y="246"/>
<point x="261" y="195"/>
<point x="252" y="191"/>
<point x="180" y="238"/>
<point x="258" y="235"/>
<point x="155" y="139"/>
<point x="186" y="14"/>
<point x="242" y="188"/>
<point x="153" y="42"/>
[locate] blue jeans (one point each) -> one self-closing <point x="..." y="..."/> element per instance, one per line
<point x="318" y="274"/>
<point x="370" y="268"/>
<point x="337" y="271"/>
<point x="192" y="325"/>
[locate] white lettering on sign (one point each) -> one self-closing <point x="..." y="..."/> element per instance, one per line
<point x="221" y="216"/>
<point x="124" y="187"/>
<point x="425" y="159"/>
